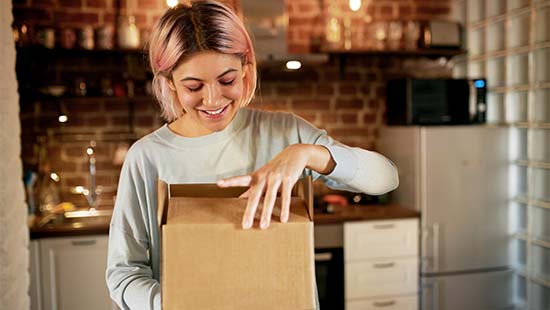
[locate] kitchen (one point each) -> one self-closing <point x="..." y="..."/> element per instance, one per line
<point x="84" y="101"/>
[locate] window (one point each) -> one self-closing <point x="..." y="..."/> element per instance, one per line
<point x="508" y="42"/>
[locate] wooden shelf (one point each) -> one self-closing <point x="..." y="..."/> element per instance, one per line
<point x="427" y="52"/>
<point x="58" y="51"/>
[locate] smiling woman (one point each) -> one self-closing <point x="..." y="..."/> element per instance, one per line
<point x="204" y="75"/>
<point x="209" y="88"/>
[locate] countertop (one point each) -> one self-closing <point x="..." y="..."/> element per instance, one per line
<point x="340" y="215"/>
<point x="368" y="212"/>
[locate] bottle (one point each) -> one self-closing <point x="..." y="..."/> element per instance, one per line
<point x="128" y="32"/>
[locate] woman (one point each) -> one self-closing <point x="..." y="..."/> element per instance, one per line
<point x="204" y="74"/>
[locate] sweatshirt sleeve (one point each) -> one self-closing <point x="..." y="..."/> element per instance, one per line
<point x="357" y="169"/>
<point x="129" y="272"/>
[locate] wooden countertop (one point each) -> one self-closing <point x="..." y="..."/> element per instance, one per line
<point x="99" y="226"/>
<point x="340" y="215"/>
<point x="364" y="213"/>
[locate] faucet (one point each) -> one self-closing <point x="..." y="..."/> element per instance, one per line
<point x="93" y="193"/>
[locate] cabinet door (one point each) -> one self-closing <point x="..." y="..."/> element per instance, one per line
<point x="34" y="270"/>
<point x="73" y="273"/>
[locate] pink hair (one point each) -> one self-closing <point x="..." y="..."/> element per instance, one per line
<point x="189" y="28"/>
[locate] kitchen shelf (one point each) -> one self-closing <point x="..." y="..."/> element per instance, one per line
<point x="57" y="52"/>
<point x="343" y="55"/>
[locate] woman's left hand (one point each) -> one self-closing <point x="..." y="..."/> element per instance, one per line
<point x="280" y="173"/>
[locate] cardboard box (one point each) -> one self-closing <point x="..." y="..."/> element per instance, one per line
<point x="210" y="262"/>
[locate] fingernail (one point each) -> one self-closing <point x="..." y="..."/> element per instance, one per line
<point x="247" y="224"/>
<point x="285" y="218"/>
<point x="263" y="224"/>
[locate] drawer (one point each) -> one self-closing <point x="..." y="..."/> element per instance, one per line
<point x="389" y="303"/>
<point x="379" y="277"/>
<point x="380" y="239"/>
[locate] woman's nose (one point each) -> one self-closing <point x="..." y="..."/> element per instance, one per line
<point x="212" y="96"/>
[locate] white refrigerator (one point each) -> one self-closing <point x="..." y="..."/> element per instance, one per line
<point x="457" y="177"/>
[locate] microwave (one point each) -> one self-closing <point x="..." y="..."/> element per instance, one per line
<point x="412" y="101"/>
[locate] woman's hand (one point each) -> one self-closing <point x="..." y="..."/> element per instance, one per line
<point x="280" y="173"/>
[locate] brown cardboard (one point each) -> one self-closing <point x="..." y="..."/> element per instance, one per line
<point x="210" y="262"/>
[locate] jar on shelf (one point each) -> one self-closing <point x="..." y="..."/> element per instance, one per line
<point x="128" y="32"/>
<point x="105" y="37"/>
<point x="86" y="38"/>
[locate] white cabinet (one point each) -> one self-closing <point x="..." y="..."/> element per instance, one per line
<point x="72" y="273"/>
<point x="381" y="264"/>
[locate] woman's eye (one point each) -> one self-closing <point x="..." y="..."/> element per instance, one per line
<point x="227" y="82"/>
<point x="195" y="88"/>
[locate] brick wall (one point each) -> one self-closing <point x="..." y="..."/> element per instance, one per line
<point x="349" y="106"/>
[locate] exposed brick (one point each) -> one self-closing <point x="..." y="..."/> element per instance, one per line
<point x="104" y="180"/>
<point x="362" y="132"/>
<point x="348" y="89"/>
<point x="81" y="106"/>
<point x="119" y="120"/>
<point x="96" y="3"/>
<point x="369" y="118"/>
<point x="328" y="118"/>
<point x="349" y="118"/>
<point x="324" y="89"/>
<point x="75" y="181"/>
<point x="149" y="4"/>
<point x="62" y="166"/>
<point x="373" y="104"/>
<point x="349" y="104"/>
<point x="32" y="14"/>
<point x="432" y="10"/>
<point x="97" y="121"/>
<point x="70" y="3"/>
<point x="405" y="11"/>
<point x="77" y="18"/>
<point x="294" y="90"/>
<point x="320" y="104"/>
<point x="75" y="151"/>
<point x="310" y="117"/>
<point x="42" y="3"/>
<point x="146" y="121"/>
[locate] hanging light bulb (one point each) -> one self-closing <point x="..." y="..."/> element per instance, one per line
<point x="355" y="5"/>
<point x="171" y="3"/>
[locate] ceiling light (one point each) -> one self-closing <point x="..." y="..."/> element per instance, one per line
<point x="171" y="3"/>
<point x="355" y="5"/>
<point x="293" y="65"/>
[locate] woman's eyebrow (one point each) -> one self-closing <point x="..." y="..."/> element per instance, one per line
<point x="197" y="79"/>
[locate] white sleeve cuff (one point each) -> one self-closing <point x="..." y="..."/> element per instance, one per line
<point x="346" y="163"/>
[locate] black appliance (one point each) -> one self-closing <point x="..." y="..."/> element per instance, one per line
<point x="411" y="101"/>
<point x="329" y="272"/>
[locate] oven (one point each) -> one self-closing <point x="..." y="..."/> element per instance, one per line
<point x="329" y="266"/>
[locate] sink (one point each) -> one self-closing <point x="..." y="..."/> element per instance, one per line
<point x="76" y="218"/>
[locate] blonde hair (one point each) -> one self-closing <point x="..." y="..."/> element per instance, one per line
<point x="190" y="28"/>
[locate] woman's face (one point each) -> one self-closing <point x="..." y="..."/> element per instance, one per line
<point x="209" y="87"/>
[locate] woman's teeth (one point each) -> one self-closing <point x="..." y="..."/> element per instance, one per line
<point x="214" y="112"/>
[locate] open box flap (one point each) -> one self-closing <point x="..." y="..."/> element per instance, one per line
<point x="302" y="189"/>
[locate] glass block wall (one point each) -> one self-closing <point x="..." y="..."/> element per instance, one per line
<point x="508" y="42"/>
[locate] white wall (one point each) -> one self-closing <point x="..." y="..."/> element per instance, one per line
<point x="14" y="236"/>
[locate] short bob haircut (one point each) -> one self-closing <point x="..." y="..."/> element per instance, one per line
<point x="190" y="28"/>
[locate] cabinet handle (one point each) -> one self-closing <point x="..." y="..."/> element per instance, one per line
<point x="323" y="257"/>
<point x="84" y="242"/>
<point x="384" y="226"/>
<point x="383" y="303"/>
<point x="384" y="265"/>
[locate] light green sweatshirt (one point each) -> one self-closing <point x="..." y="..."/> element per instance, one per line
<point x="252" y="139"/>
